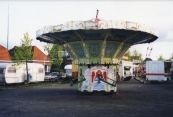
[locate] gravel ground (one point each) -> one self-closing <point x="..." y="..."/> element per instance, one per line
<point x="134" y="100"/>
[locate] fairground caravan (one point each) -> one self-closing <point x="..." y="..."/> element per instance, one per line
<point x="158" y="70"/>
<point x="126" y="70"/>
<point x="68" y="70"/>
<point x="17" y="74"/>
<point x="2" y="71"/>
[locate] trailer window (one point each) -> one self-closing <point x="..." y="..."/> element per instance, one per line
<point x="40" y="70"/>
<point x="126" y="67"/>
<point x="68" y="71"/>
<point x="11" y="70"/>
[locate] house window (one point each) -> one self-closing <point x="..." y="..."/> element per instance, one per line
<point x="48" y="70"/>
<point x="11" y="70"/>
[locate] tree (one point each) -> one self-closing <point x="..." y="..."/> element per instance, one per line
<point x="128" y="54"/>
<point x="55" y="53"/>
<point x="160" y="57"/>
<point x="47" y="48"/>
<point x="134" y="56"/>
<point x="23" y="53"/>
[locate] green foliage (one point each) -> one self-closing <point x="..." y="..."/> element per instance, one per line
<point x="55" y="53"/>
<point x="135" y="55"/>
<point x="47" y="47"/>
<point x="56" y="69"/>
<point x="160" y="57"/>
<point x="128" y="54"/>
<point x="23" y="53"/>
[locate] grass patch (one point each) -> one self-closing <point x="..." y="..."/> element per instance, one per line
<point x="37" y="84"/>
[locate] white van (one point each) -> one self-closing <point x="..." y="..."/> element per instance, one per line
<point x="17" y="74"/>
<point x="125" y="69"/>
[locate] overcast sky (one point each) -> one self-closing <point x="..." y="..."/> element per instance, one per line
<point x="30" y="16"/>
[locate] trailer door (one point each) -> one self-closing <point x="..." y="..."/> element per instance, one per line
<point x="32" y="74"/>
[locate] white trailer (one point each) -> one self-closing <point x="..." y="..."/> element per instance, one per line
<point x="125" y="69"/>
<point x="68" y="70"/>
<point x="157" y="70"/>
<point x="2" y="71"/>
<point x="17" y="74"/>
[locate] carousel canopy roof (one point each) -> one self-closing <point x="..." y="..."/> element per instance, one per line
<point x="97" y="41"/>
<point x="97" y="29"/>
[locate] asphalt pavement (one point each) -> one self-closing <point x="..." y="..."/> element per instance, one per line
<point x="135" y="99"/>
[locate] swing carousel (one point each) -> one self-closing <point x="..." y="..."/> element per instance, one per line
<point x="96" y="46"/>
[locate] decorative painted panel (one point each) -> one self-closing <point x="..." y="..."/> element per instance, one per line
<point x="95" y="61"/>
<point x="83" y="61"/>
<point x="111" y="48"/>
<point x="94" y="48"/>
<point x="91" y="75"/>
<point x="107" y="61"/>
<point x="79" y="50"/>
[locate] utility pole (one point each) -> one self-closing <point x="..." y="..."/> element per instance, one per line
<point x="97" y="13"/>
<point x="8" y="28"/>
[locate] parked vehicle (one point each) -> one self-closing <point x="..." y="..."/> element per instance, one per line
<point x="157" y="71"/>
<point x="17" y="74"/>
<point x="126" y="70"/>
<point x="54" y="76"/>
<point x="55" y="79"/>
<point x="68" y="70"/>
<point x="62" y="75"/>
<point x="2" y="71"/>
<point x="51" y="76"/>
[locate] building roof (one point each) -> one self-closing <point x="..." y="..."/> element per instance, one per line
<point x="4" y="54"/>
<point x="38" y="56"/>
<point x="147" y="59"/>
